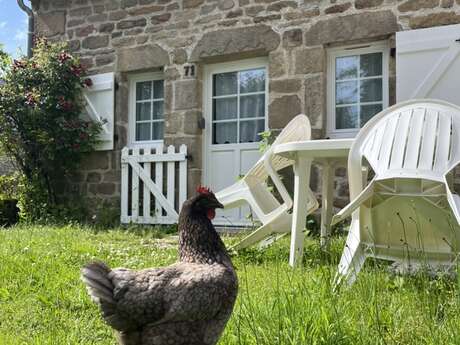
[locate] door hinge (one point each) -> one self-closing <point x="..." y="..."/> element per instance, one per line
<point x="393" y="52"/>
<point x="202" y="123"/>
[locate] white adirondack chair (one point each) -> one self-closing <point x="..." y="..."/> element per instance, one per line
<point x="253" y="188"/>
<point x="407" y="213"/>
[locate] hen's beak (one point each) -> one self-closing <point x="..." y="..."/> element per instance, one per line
<point x="215" y="204"/>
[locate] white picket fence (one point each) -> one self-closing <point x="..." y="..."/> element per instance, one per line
<point x="153" y="184"/>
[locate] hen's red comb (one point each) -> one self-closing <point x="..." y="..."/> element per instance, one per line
<point x="203" y="190"/>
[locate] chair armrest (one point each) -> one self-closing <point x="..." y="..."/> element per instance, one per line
<point x="354" y="204"/>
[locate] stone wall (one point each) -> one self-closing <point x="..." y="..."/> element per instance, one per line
<point x="128" y="36"/>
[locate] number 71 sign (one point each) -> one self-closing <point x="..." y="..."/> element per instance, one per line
<point x="189" y="70"/>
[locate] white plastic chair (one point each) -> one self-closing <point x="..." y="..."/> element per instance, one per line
<point x="253" y="188"/>
<point x="407" y="213"/>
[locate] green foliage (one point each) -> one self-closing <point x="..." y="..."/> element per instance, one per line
<point x="4" y="60"/>
<point x="267" y="140"/>
<point x="40" y="125"/>
<point x="43" y="301"/>
<point x="9" y="186"/>
<point x="105" y="215"/>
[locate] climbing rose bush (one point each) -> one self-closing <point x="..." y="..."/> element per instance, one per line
<point x="41" y="124"/>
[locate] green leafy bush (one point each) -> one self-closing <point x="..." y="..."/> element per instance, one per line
<point x="9" y="186"/>
<point x="41" y="128"/>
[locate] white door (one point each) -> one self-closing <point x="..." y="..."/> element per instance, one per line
<point x="428" y="64"/>
<point x="235" y="104"/>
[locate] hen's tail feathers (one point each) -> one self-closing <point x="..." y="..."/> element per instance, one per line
<point x="100" y="287"/>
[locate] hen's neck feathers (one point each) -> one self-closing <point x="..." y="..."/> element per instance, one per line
<point x="198" y="239"/>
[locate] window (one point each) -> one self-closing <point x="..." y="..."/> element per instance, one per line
<point x="147" y="108"/>
<point x="357" y="87"/>
<point x="238" y="106"/>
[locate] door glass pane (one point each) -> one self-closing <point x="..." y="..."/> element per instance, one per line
<point x="367" y="111"/>
<point x="225" y="108"/>
<point x="157" y="130"/>
<point x="249" y="131"/>
<point x="158" y="107"/>
<point x="143" y="90"/>
<point x="224" y="133"/>
<point x="371" y="90"/>
<point x="346" y="92"/>
<point x="143" y="111"/>
<point x="346" y="67"/>
<point x="371" y="65"/>
<point x="143" y="131"/>
<point x="225" y="84"/>
<point x="346" y="117"/>
<point x="158" y="91"/>
<point x="252" y="106"/>
<point x="252" y="81"/>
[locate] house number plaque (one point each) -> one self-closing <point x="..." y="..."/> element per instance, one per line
<point x="190" y="70"/>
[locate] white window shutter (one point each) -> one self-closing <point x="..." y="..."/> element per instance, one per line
<point x="99" y="100"/>
<point x="428" y="63"/>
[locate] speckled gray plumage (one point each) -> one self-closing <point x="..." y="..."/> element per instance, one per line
<point x="187" y="303"/>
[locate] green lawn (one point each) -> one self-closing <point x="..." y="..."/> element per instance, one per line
<point x="42" y="300"/>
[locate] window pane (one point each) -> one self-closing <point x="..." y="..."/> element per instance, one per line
<point x="157" y="130"/>
<point x="371" y="65"/>
<point x="143" y="131"/>
<point x="224" y="133"/>
<point x="158" y="89"/>
<point x="371" y="90"/>
<point x="346" y="67"/>
<point x="143" y="111"/>
<point x="367" y="111"/>
<point x="225" y="84"/>
<point x="143" y="90"/>
<point x="346" y="117"/>
<point x="249" y="131"/>
<point x="346" y="92"/>
<point x="225" y="108"/>
<point x="252" y="81"/>
<point x="252" y="106"/>
<point x="158" y="107"/>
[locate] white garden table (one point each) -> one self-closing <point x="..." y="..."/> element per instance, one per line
<point x="328" y="153"/>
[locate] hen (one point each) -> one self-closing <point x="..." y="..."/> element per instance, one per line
<point x="189" y="302"/>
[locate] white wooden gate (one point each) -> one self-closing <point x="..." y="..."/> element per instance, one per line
<point x="428" y="63"/>
<point x="147" y="172"/>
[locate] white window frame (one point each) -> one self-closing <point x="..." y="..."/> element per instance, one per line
<point x="208" y="72"/>
<point x="333" y="53"/>
<point x="236" y="66"/>
<point x="132" y="80"/>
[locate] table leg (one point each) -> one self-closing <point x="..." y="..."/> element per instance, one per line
<point x="327" y="190"/>
<point x="302" y="168"/>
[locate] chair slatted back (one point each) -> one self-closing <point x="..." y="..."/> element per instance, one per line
<point x="420" y="136"/>
<point x="297" y="129"/>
